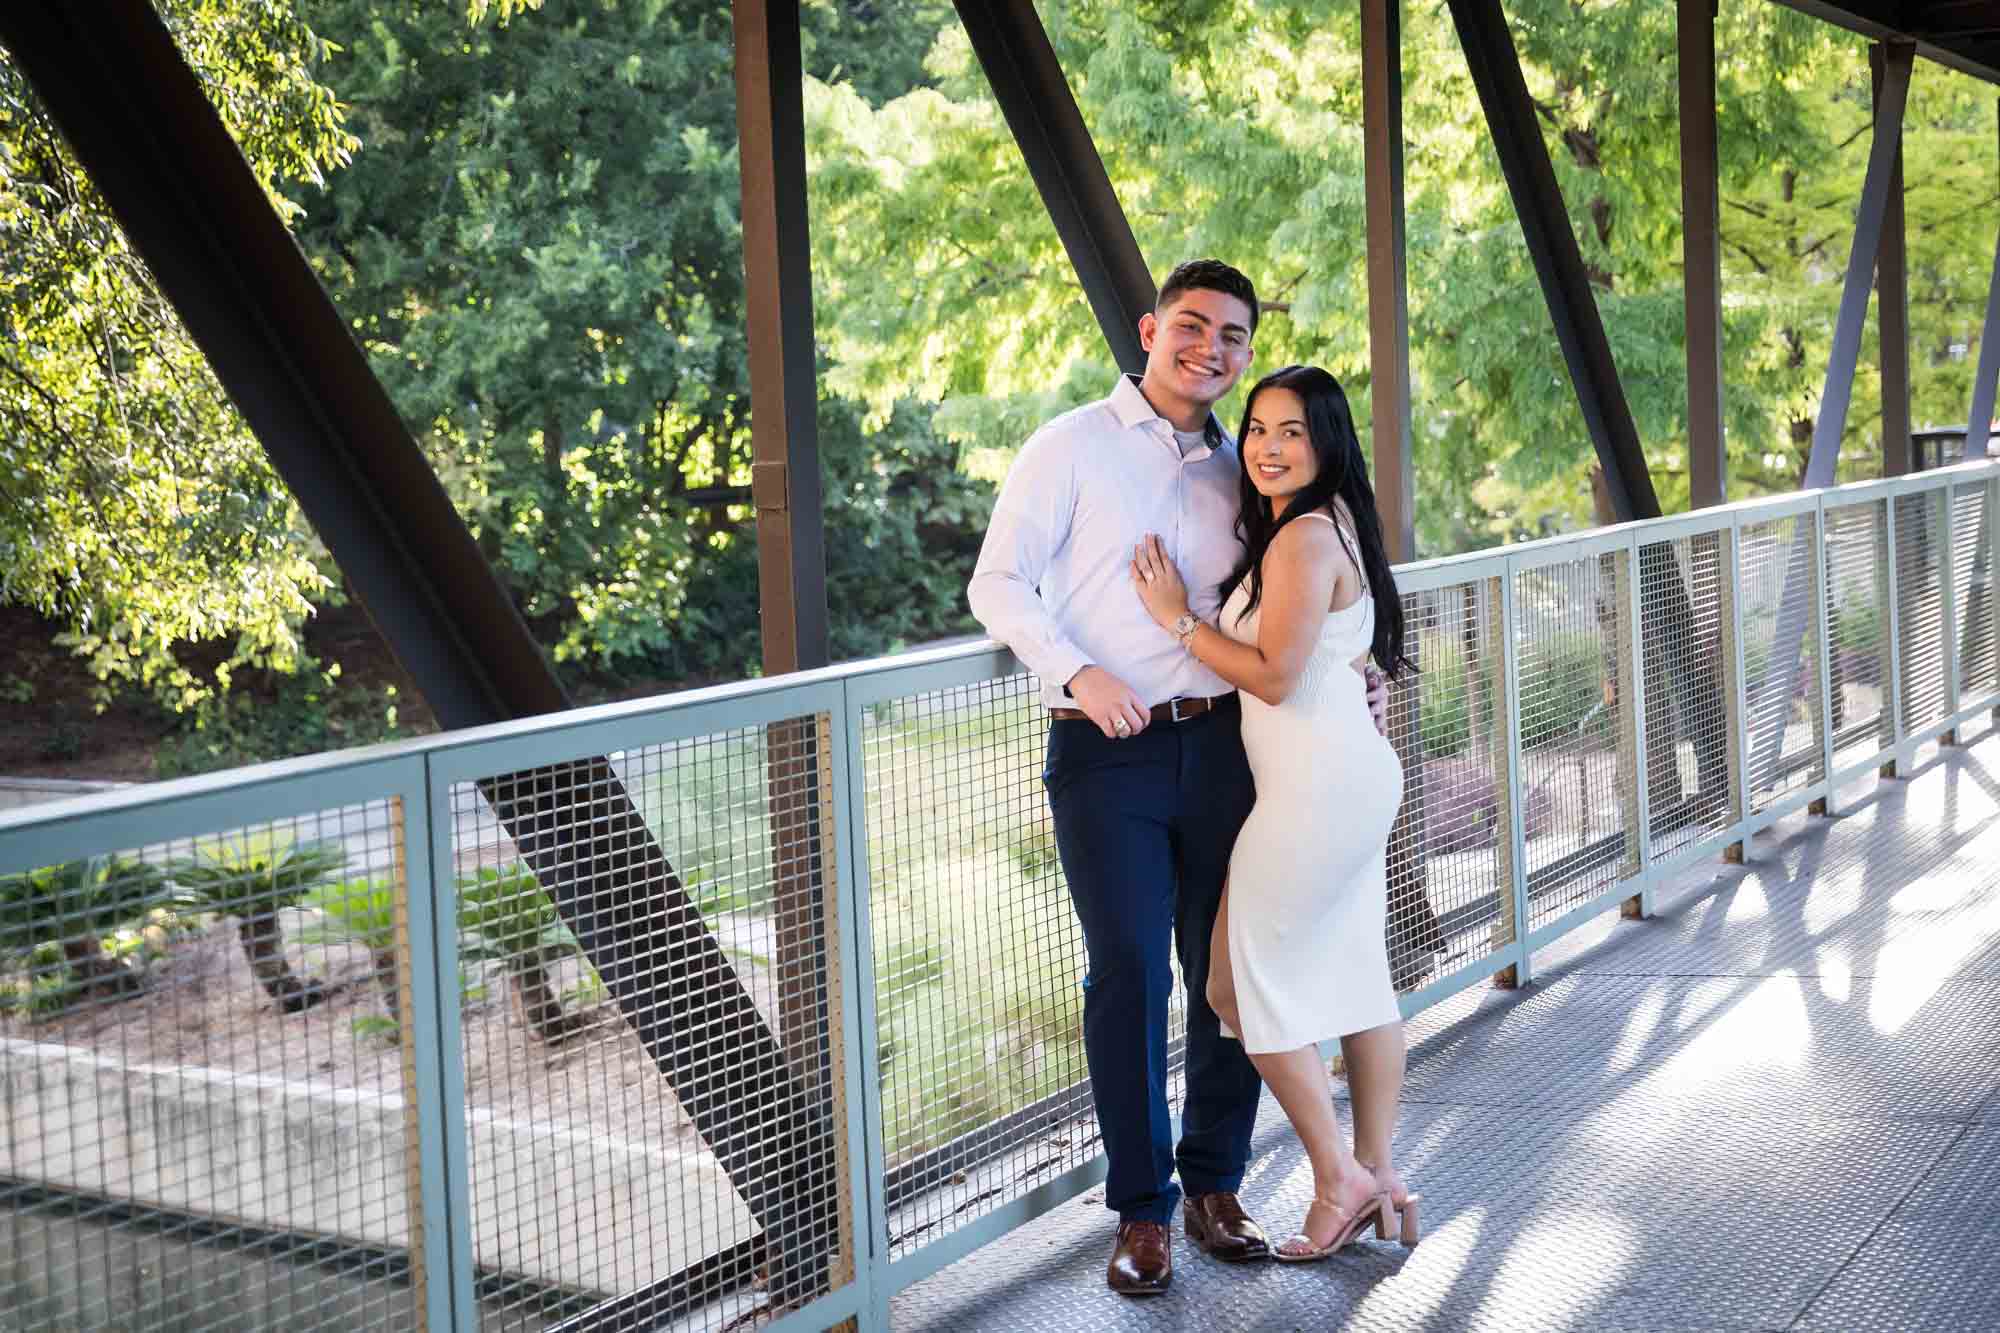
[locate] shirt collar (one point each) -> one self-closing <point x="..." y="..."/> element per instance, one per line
<point x="1129" y="405"/>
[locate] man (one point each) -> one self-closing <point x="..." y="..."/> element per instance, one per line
<point x="1145" y="773"/>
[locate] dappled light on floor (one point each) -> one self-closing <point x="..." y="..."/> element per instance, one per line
<point x="1541" y="1273"/>
<point x="1720" y="1118"/>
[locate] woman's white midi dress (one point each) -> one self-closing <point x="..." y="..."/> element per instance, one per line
<point x="1308" y="879"/>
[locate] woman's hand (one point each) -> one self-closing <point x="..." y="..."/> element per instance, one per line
<point x="1159" y="583"/>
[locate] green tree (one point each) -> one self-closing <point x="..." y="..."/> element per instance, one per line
<point x="1233" y="127"/>
<point x="136" y="510"/>
<point x="538" y="244"/>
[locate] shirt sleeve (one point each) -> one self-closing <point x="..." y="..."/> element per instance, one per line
<point x="1031" y="520"/>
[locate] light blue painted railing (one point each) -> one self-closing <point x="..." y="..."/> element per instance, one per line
<point x="861" y="856"/>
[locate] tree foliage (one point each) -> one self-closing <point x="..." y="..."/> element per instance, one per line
<point x="540" y="249"/>
<point x="135" y="507"/>
<point x="528" y="213"/>
<point x="1233" y="127"/>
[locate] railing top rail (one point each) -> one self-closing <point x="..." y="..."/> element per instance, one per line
<point x="949" y="663"/>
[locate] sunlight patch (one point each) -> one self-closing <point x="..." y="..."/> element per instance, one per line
<point x="1765" y="1026"/>
<point x="1546" y="1245"/>
<point x="1913" y="967"/>
<point x="1749" y="902"/>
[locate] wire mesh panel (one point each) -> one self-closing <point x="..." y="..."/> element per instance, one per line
<point x="651" y="1036"/>
<point x="1448" y="724"/>
<point x="1972" y="572"/>
<point x="1575" y="791"/>
<point x="1684" y="615"/>
<point x="979" y="959"/>
<point x="1857" y="610"/>
<point x="1781" y="605"/>
<point x="1920" y="574"/>
<point x="211" y="1120"/>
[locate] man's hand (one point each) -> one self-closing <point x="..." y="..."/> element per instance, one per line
<point x="1107" y="700"/>
<point x="1378" y="699"/>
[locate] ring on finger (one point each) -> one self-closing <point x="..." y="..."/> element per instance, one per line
<point x="1122" y="727"/>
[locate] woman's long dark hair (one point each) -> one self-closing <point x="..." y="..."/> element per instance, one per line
<point x="1342" y="475"/>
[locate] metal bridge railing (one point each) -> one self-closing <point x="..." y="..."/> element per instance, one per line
<point x="766" y="996"/>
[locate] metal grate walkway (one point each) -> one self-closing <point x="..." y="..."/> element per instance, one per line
<point x="1774" y="1106"/>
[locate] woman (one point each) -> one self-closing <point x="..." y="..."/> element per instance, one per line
<point x="1298" y="948"/>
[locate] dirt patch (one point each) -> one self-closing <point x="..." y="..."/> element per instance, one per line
<point x="49" y="723"/>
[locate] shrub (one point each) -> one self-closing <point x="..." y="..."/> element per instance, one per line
<point x="1445" y="704"/>
<point x="69" y="908"/>
<point x="306" y="713"/>
<point x="1562" y="686"/>
<point x="504" y="917"/>
<point x="363" y="912"/>
<point x="250" y="878"/>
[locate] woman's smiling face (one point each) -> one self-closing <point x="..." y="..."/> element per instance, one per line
<point x="1276" y="448"/>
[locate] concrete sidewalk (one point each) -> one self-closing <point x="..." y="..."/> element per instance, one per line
<point x="1774" y="1106"/>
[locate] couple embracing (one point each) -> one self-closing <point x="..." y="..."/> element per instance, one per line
<point x="1201" y="613"/>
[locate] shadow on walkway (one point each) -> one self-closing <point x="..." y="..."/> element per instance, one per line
<point x="1774" y="1106"/>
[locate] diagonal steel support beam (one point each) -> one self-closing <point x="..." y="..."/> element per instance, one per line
<point x="138" y="120"/>
<point x="1979" y="422"/>
<point x="1028" y="83"/>
<point x="1531" y="180"/>
<point x="1795" y="603"/>
<point x="1883" y="151"/>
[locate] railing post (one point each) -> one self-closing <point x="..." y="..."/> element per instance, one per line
<point x="1948" y="576"/>
<point x="1733" y="697"/>
<point x="434" y="1009"/>
<point x="1892" y="703"/>
<point x="1635" y="738"/>
<point x="1822" y="627"/>
<point x="1510" y="856"/>
<point x="868" y="1165"/>
<point x="1993" y="583"/>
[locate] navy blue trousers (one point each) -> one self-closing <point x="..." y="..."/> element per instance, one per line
<point x="1144" y="827"/>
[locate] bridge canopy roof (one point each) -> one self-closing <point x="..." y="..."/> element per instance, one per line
<point x="1964" y="34"/>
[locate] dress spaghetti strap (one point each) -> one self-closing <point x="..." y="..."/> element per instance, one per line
<point x="1352" y="541"/>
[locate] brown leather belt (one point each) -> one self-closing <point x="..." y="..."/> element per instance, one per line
<point x="1173" y="710"/>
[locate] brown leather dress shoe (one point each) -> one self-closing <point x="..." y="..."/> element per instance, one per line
<point x="1218" y="1224"/>
<point x="1143" y="1262"/>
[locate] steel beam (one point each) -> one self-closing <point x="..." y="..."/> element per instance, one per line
<point x="1701" y="255"/>
<point x="1960" y="34"/>
<point x="1531" y="180"/>
<point x="1794" y="604"/>
<point x="1979" y="421"/>
<point x="1892" y="302"/>
<point x="138" y="120"/>
<point x="1388" y="286"/>
<point x="1028" y="83"/>
<point x="777" y="292"/>
<point x="1868" y="221"/>
<point x="791" y="584"/>
<point x="1415" y="937"/>
<point x="1524" y="159"/>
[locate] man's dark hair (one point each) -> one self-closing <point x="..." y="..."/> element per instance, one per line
<point x="1208" y="275"/>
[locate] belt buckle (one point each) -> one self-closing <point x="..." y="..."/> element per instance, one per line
<point x="1174" y="710"/>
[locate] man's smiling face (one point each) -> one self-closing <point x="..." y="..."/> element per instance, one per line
<point x="1196" y="350"/>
